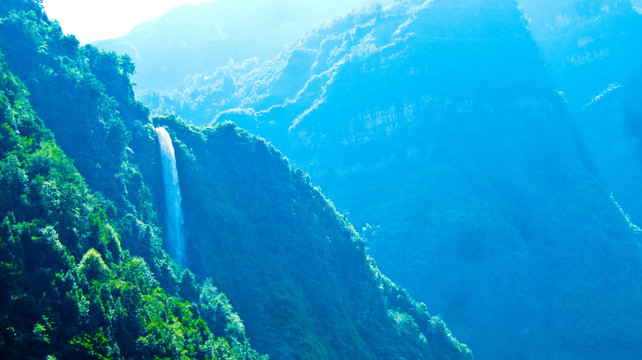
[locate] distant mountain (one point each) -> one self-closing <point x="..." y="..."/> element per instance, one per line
<point x="197" y="38"/>
<point x="583" y="42"/>
<point x="87" y="275"/>
<point x="437" y="126"/>
<point x="593" y="52"/>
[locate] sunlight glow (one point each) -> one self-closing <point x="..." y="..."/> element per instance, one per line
<point x="92" y="20"/>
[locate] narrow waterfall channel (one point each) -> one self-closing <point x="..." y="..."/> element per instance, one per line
<point x="174" y="212"/>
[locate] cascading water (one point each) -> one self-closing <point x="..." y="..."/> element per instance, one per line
<point x="174" y="212"/>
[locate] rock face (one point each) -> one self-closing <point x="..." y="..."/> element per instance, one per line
<point x="593" y="53"/>
<point x="436" y="125"/>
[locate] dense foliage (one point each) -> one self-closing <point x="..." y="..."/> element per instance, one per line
<point x="68" y="251"/>
<point x="69" y="290"/>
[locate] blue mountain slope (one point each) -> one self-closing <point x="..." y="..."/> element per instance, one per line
<point x="437" y="123"/>
<point x="196" y="38"/>
<point x="297" y="271"/>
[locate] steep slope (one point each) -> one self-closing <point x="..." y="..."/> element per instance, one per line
<point x="473" y="162"/>
<point x="436" y="126"/>
<point x="295" y="269"/>
<point x="593" y="53"/>
<point x="338" y="306"/>
<point x="69" y="290"/>
<point x="580" y="38"/>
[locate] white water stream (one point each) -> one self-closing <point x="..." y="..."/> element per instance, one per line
<point x="174" y="212"/>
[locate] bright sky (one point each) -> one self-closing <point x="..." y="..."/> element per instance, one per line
<point x="92" y="20"/>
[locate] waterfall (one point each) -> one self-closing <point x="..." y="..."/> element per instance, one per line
<point x="173" y="212"/>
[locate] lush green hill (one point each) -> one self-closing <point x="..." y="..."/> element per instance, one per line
<point x="87" y="254"/>
<point x="69" y="289"/>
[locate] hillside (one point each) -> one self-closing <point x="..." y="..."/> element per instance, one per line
<point x="255" y="228"/>
<point x="69" y="289"/>
<point x="438" y="127"/>
<point x="295" y="269"/>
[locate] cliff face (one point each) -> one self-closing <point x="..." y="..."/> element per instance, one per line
<point x="587" y="44"/>
<point x="436" y="125"/>
<point x="469" y="162"/>
<point x="593" y="54"/>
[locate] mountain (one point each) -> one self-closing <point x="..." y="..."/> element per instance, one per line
<point x="196" y="38"/>
<point x="69" y="289"/>
<point x="437" y="126"/>
<point x="592" y="51"/>
<point x="83" y="250"/>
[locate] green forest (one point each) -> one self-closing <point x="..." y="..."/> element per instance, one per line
<point x="69" y="289"/>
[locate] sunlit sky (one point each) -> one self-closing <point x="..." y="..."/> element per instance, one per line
<point x="92" y="20"/>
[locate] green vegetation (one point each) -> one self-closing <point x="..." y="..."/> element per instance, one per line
<point x="293" y="267"/>
<point x="69" y="290"/>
